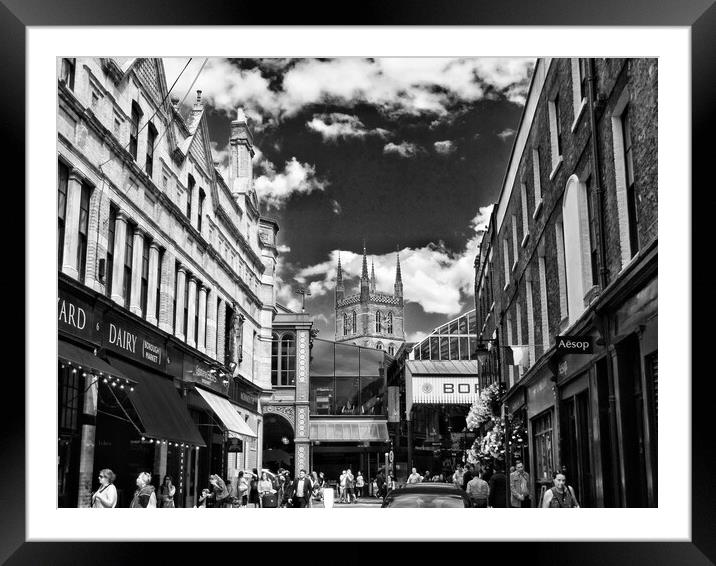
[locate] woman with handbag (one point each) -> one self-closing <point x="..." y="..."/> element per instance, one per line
<point x="106" y="496"/>
<point x="166" y="493"/>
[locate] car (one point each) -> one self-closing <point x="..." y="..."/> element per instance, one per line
<point x="427" y="495"/>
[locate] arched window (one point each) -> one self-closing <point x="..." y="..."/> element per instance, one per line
<point x="345" y="324"/>
<point x="355" y="323"/>
<point x="274" y="359"/>
<point x="288" y="360"/>
<point x="391" y="349"/>
<point x="379" y="346"/>
<point x="390" y="323"/>
<point x="378" y="321"/>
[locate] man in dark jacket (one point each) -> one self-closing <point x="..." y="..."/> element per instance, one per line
<point x="301" y="490"/>
<point x="498" y="489"/>
<point x="467" y="476"/>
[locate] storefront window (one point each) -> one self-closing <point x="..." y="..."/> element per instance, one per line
<point x="346" y="360"/>
<point x="348" y="395"/>
<point x="322" y="395"/>
<point x="542" y="434"/>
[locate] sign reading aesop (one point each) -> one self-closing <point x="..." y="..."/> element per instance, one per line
<point x="131" y="341"/>
<point x="575" y="344"/>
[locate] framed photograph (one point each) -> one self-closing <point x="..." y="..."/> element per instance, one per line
<point x="406" y="263"/>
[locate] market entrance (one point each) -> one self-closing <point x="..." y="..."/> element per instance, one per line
<point x="278" y="447"/>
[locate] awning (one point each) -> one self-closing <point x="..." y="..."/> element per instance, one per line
<point x="85" y="359"/>
<point x="345" y="430"/>
<point x="227" y="414"/>
<point x="162" y="412"/>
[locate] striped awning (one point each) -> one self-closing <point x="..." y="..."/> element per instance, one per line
<point x="347" y="430"/>
<point x="228" y="415"/>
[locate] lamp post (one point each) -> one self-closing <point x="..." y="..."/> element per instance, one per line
<point x="482" y="352"/>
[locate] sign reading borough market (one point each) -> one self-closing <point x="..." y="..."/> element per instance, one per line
<point x="575" y="344"/>
<point x="131" y="341"/>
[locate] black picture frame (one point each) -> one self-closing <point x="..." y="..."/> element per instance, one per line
<point x="698" y="15"/>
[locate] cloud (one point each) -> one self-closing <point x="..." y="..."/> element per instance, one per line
<point x="404" y="86"/>
<point x="415" y="336"/>
<point x="506" y="133"/>
<point x="220" y="156"/>
<point x="438" y="280"/>
<point x="283" y="249"/>
<point x="276" y="188"/>
<point x="337" y="125"/>
<point x="336" y="207"/>
<point x="404" y="149"/>
<point x="445" y="147"/>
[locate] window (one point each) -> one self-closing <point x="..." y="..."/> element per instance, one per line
<point x="593" y="249"/>
<point x="536" y="182"/>
<point x="558" y="120"/>
<point x="128" y="252"/>
<point x="202" y="196"/>
<point x="274" y="359"/>
<point x="390" y="323"/>
<point x="69" y="398"/>
<point x="525" y="221"/>
<point x="159" y="282"/>
<point x="83" y="227"/>
<point x="506" y="260"/>
<point x="355" y="322"/>
<point x="186" y="314"/>
<point x="542" y="435"/>
<point x="134" y="129"/>
<point x="515" y="241"/>
<point x="95" y="100"/>
<point x="151" y="138"/>
<point x="561" y="270"/>
<point x="579" y="87"/>
<point x="145" y="278"/>
<point x="345" y="324"/>
<point x="379" y="346"/>
<point x="391" y="349"/>
<point x="67" y="73"/>
<point x="62" y="179"/>
<point x="189" y="195"/>
<point x="555" y="135"/>
<point x="110" y="250"/>
<point x="176" y="292"/>
<point x="632" y="209"/>
<point x="288" y="360"/>
<point x="195" y="338"/>
<point x="378" y="322"/>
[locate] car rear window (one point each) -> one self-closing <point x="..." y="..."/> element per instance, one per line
<point x="427" y="500"/>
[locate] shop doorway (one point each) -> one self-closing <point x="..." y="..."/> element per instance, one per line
<point x="577" y="461"/>
<point x="278" y="447"/>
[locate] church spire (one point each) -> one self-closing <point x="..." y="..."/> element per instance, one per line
<point x="364" y="281"/>
<point x="340" y="290"/>
<point x="372" y="276"/>
<point x="364" y="273"/>
<point x="398" y="277"/>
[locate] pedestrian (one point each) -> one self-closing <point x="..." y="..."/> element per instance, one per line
<point x="561" y="495"/>
<point x="498" y="489"/>
<point x="254" y="488"/>
<point x="520" y="486"/>
<point x="316" y="491"/>
<point x="301" y="491"/>
<point x="220" y="495"/>
<point x="467" y="476"/>
<point x="350" y="487"/>
<point x="415" y="477"/>
<point x="457" y="476"/>
<point x="342" y="484"/>
<point x="265" y="487"/>
<point x="166" y="493"/>
<point x="242" y="489"/>
<point x="427" y="476"/>
<point x="389" y="483"/>
<point x="106" y="495"/>
<point x="360" y="484"/>
<point x="380" y="484"/>
<point x="144" y="496"/>
<point x="479" y="491"/>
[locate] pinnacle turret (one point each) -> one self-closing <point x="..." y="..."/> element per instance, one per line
<point x="398" y="277"/>
<point x="372" y="276"/>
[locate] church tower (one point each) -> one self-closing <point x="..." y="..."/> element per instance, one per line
<point x="369" y="317"/>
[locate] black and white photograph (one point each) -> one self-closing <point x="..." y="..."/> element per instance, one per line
<point x="350" y="282"/>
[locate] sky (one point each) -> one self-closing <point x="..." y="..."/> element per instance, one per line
<point x="407" y="154"/>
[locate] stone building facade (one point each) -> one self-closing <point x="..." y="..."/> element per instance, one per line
<point x="571" y="250"/>
<point x="370" y="318"/>
<point x="149" y="227"/>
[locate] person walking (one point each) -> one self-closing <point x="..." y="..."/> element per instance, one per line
<point x="144" y="496"/>
<point x="265" y="487"/>
<point x="301" y="496"/>
<point x="520" y="486"/>
<point x="415" y="477"/>
<point x="380" y="484"/>
<point x="360" y="485"/>
<point x="342" y="486"/>
<point x="166" y="493"/>
<point x="350" y="487"/>
<point x="479" y="491"/>
<point x="457" y="476"/>
<point x="254" y="488"/>
<point x="106" y="495"/>
<point x="220" y="494"/>
<point x="242" y="489"/>
<point x="498" y="489"/>
<point x="561" y="495"/>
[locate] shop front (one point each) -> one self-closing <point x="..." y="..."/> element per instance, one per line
<point x="117" y="407"/>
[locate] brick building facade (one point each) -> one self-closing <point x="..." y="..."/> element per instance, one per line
<point x="571" y="249"/>
<point x="150" y="231"/>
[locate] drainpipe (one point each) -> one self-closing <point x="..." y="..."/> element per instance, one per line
<point x="602" y="319"/>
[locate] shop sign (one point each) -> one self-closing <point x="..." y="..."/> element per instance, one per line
<point x="133" y="342"/>
<point x="75" y="317"/>
<point x="445" y="390"/>
<point x="393" y="404"/>
<point x="575" y="344"/>
<point x="198" y="372"/>
<point x="248" y="400"/>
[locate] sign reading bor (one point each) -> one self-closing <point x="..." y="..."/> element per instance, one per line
<point x="575" y="344"/>
<point x="445" y="389"/>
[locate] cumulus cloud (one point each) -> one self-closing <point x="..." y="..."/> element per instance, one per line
<point x="433" y="277"/>
<point x="275" y="188"/>
<point x="445" y="147"/>
<point x="395" y="86"/>
<point x="506" y="133"/>
<point x="337" y="125"/>
<point x="404" y="149"/>
<point x="220" y="156"/>
<point x="283" y="248"/>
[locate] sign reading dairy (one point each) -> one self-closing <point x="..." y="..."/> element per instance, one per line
<point x="130" y="340"/>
